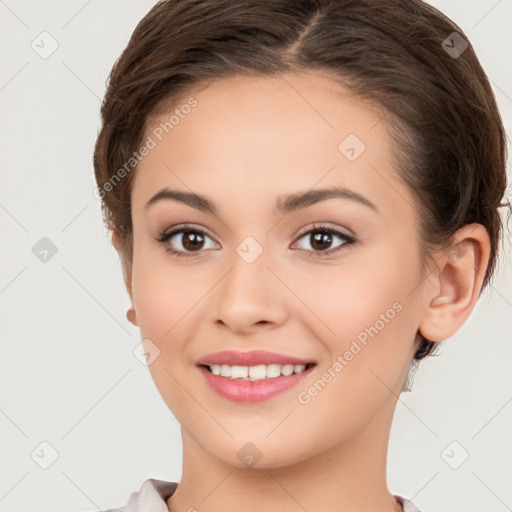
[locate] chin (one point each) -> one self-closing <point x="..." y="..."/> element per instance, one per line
<point x="258" y="453"/>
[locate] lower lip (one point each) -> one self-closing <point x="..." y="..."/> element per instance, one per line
<point x="247" y="391"/>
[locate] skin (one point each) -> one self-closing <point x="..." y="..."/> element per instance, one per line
<point x="249" y="142"/>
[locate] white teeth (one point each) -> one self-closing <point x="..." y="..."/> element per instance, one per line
<point x="238" y="372"/>
<point x="225" y="370"/>
<point x="287" y="369"/>
<point x="273" y="370"/>
<point x="258" y="372"/>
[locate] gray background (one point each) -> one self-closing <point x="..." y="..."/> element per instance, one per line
<point x="68" y="373"/>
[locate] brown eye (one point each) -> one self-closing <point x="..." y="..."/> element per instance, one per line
<point x="321" y="238"/>
<point x="192" y="241"/>
<point x="184" y="241"/>
<point x="321" y="241"/>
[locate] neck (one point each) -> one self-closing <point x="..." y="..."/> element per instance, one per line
<point x="349" y="477"/>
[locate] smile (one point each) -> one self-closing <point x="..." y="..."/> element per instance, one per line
<point x="250" y="384"/>
<point x="255" y="373"/>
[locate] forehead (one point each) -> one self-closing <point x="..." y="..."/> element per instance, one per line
<point x="248" y="137"/>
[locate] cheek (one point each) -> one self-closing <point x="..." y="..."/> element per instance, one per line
<point x="358" y="294"/>
<point x="162" y="292"/>
<point x="368" y="352"/>
<point x="166" y="301"/>
<point x="369" y="317"/>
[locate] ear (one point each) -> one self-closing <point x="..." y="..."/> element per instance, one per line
<point x="119" y="245"/>
<point x="455" y="285"/>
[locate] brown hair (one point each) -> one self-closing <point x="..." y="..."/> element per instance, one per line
<point x="400" y="55"/>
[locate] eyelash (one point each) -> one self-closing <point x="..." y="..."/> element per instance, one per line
<point x="164" y="236"/>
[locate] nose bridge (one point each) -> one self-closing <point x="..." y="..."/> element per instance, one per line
<point x="248" y="293"/>
<point x="248" y="268"/>
<point x="250" y="250"/>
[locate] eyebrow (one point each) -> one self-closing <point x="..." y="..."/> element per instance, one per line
<point x="290" y="203"/>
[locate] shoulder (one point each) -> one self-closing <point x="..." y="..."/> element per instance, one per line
<point x="151" y="497"/>
<point x="407" y="505"/>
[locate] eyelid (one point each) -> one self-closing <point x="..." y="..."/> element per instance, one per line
<point x="319" y="226"/>
<point x="166" y="233"/>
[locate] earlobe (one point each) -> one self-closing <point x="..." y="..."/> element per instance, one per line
<point x="455" y="287"/>
<point x="132" y="316"/>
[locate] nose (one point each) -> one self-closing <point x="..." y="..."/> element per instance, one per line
<point x="250" y="297"/>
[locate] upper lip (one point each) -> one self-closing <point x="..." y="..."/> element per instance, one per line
<point x="253" y="358"/>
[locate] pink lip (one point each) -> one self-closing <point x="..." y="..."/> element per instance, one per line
<point x="246" y="391"/>
<point x="253" y="358"/>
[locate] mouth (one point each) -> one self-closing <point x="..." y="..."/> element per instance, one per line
<point x="253" y="376"/>
<point x="258" y="372"/>
<point x="253" y="384"/>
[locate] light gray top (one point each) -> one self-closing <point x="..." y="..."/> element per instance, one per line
<point x="153" y="494"/>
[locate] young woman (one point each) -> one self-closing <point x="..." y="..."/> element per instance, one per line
<point x="304" y="196"/>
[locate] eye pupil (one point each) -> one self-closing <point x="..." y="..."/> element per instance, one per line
<point x="321" y="238"/>
<point x="192" y="240"/>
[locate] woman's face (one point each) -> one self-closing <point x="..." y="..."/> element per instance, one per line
<point x="266" y="276"/>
